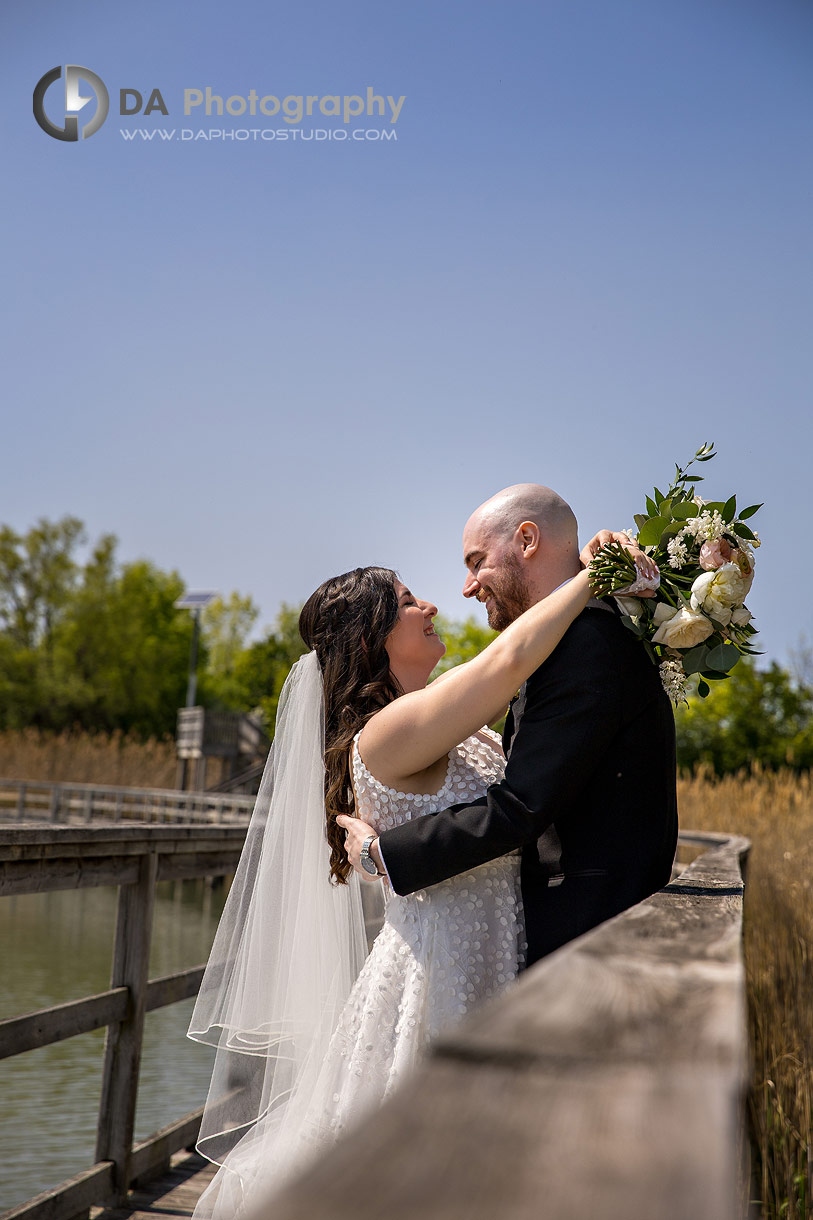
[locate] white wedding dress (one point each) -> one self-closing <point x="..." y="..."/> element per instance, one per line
<point x="440" y="951"/>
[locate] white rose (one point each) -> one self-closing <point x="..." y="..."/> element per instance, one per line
<point x="683" y="629"/>
<point x="741" y="617"/>
<point x="718" y="592"/>
<point x="663" y="612"/>
<point x="630" y="606"/>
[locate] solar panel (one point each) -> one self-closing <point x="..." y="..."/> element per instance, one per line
<point x="194" y="601"/>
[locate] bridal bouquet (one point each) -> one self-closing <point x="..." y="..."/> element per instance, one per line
<point x="692" y="618"/>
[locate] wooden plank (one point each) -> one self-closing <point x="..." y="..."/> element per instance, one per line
<point x="172" y="987"/>
<point x="114" y="1137"/>
<point x="212" y="864"/>
<point x="48" y="1025"/>
<point x="75" y="873"/>
<point x="519" y="1143"/>
<point x="69" y="1199"/>
<point x="41" y="874"/>
<point x="153" y="1155"/>
<point x="173" y="1195"/>
<point x="17" y="840"/>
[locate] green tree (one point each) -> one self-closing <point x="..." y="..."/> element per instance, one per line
<point x="261" y="669"/>
<point x="38" y="577"/>
<point x="121" y="653"/>
<point x="38" y="573"/>
<point x="96" y="645"/>
<point x="463" y="640"/>
<point x="225" y="626"/>
<point x="755" y="715"/>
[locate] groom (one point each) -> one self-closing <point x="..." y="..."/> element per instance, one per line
<point x="589" y="787"/>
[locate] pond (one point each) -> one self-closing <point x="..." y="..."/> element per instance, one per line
<point x="56" y="947"/>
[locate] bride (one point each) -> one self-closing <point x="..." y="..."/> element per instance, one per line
<point x="310" y="1036"/>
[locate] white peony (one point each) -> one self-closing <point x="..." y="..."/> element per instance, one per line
<point x="718" y="592"/>
<point x="740" y="617"/>
<point x="681" y="629"/>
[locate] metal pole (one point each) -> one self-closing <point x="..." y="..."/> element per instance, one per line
<point x="192" y="688"/>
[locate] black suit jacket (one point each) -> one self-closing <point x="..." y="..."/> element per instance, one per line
<point x="588" y="794"/>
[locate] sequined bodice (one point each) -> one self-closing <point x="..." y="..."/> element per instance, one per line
<point x="472" y="766"/>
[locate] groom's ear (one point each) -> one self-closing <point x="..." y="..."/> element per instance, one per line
<point x="528" y="537"/>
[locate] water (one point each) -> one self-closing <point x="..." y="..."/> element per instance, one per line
<point x="59" y="946"/>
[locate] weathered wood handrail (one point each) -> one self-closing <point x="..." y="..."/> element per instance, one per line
<point x="37" y="858"/>
<point x="607" y="1082"/>
<point x="60" y="803"/>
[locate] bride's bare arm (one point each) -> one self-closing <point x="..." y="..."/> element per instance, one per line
<point x="416" y="730"/>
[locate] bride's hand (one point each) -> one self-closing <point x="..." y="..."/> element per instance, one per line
<point x="645" y="566"/>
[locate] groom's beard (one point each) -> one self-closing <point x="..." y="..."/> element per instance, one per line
<point x="510" y="598"/>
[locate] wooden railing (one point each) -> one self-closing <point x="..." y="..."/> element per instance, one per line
<point x="608" y="1082"/>
<point x="35" y="800"/>
<point x="34" y="859"/>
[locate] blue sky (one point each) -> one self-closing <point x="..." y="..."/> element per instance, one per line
<point x="587" y="251"/>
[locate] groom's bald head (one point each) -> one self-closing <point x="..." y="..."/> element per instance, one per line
<point x="519" y="546"/>
<point x="505" y="512"/>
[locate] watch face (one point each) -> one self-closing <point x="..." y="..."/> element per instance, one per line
<point x="368" y="864"/>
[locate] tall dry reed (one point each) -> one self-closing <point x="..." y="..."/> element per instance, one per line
<point x="87" y="758"/>
<point x="775" y="811"/>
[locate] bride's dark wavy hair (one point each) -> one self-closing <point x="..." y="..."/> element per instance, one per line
<point x="346" y="622"/>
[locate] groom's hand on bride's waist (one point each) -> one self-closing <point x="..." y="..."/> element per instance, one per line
<point x="356" y="832"/>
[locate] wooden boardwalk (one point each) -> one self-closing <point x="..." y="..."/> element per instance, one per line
<point x="172" y="1195"/>
<point x="608" y="1081"/>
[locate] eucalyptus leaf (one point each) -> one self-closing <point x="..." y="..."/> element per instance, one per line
<point x="651" y="530"/>
<point x="641" y="519"/>
<point x="703" y="689"/>
<point x="723" y="658"/>
<point x="686" y="510"/>
<point x="635" y="628"/>
<point x="651" y="507"/>
<point x="695" y="660"/>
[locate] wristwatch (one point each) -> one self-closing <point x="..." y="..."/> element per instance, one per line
<point x="367" y="862"/>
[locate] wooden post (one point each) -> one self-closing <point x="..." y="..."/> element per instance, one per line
<point x="89" y="805"/>
<point x="54" y="810"/>
<point x="114" y="1137"/>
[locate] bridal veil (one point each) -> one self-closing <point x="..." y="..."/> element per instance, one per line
<point x="288" y="949"/>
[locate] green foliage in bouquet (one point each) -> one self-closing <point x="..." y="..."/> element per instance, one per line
<point x="695" y="621"/>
